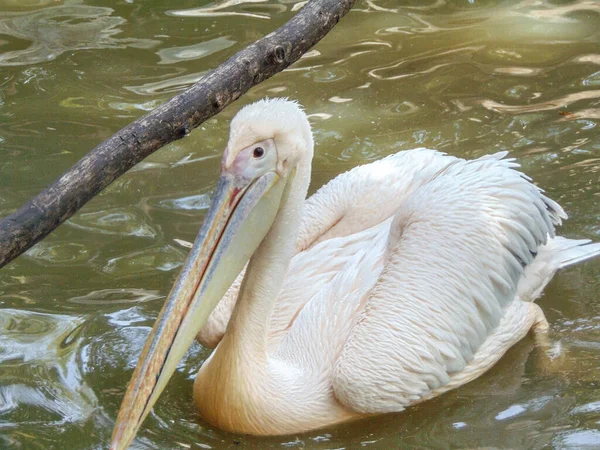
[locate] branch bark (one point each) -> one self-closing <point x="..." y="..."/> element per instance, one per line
<point x="170" y="121"/>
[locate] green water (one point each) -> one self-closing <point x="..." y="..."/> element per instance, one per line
<point x="466" y="77"/>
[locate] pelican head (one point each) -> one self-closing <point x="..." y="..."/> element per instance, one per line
<point x="269" y="140"/>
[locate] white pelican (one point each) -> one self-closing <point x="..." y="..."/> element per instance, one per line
<point x="397" y="281"/>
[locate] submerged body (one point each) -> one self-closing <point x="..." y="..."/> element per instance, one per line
<point x="397" y="281"/>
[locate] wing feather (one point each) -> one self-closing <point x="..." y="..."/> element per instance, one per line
<point x="457" y="251"/>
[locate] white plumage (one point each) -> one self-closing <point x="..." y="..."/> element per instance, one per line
<point x="397" y="281"/>
<point x="413" y="275"/>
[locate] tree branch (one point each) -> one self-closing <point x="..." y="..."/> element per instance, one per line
<point x="170" y="121"/>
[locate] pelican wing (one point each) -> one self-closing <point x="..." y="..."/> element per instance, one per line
<point x="447" y="296"/>
<point x="367" y="195"/>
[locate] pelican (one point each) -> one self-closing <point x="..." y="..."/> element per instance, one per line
<point x="396" y="282"/>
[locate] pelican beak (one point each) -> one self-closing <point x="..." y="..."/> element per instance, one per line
<point x="241" y="214"/>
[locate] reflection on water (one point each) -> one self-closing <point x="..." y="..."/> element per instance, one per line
<point x="53" y="31"/>
<point x="116" y="296"/>
<point x="164" y="258"/>
<point x="168" y="86"/>
<point x="122" y="221"/>
<point x="230" y="8"/>
<point x="465" y="76"/>
<point x="196" y="51"/>
<point x="41" y="375"/>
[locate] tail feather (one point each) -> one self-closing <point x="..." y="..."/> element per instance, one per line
<point x="566" y="252"/>
<point x="558" y="253"/>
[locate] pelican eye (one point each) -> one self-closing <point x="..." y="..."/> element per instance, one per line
<point x="259" y="152"/>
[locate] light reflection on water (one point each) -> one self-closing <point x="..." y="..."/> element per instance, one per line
<point x="56" y="30"/>
<point x="466" y="77"/>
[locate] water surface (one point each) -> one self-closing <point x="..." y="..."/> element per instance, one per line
<point x="465" y="77"/>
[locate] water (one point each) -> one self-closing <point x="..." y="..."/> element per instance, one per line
<point x="466" y="77"/>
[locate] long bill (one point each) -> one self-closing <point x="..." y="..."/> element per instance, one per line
<point x="241" y="213"/>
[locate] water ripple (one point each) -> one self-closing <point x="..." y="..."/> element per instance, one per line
<point x="51" y="251"/>
<point x="40" y="368"/>
<point x="198" y="202"/>
<point x="196" y="51"/>
<point x="558" y="103"/>
<point x="168" y="86"/>
<point x="54" y="31"/>
<point x="422" y="64"/>
<point x="116" y="297"/>
<point x="126" y="221"/>
<point x="229" y="8"/>
<point x="164" y="258"/>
